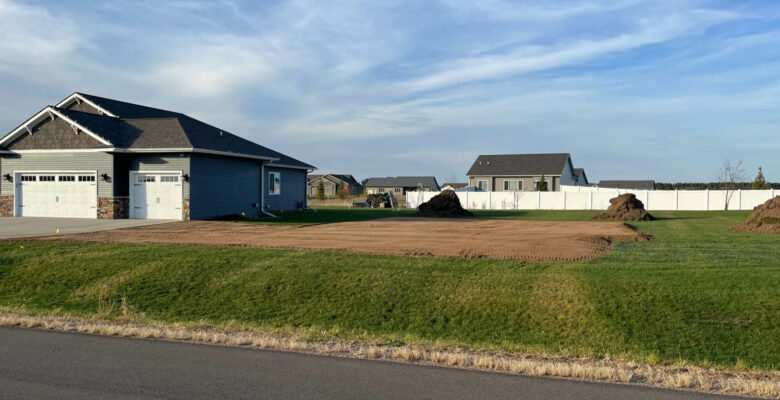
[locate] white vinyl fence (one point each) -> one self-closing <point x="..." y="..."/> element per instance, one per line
<point x="587" y="198"/>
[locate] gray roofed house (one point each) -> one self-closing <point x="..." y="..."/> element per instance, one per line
<point x="113" y="159"/>
<point x="332" y="183"/>
<point x="628" y="184"/>
<point x="582" y="178"/>
<point x="401" y="184"/>
<point x="522" y="172"/>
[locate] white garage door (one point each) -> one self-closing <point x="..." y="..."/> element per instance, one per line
<point x="155" y="196"/>
<point x="66" y="195"/>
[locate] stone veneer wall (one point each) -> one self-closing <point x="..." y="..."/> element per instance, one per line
<point x="185" y="209"/>
<point x="113" y="207"/>
<point x="6" y="206"/>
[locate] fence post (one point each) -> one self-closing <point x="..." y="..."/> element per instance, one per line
<point x="771" y="193"/>
<point x="490" y="200"/>
<point x="707" y="199"/>
<point x="564" y="201"/>
<point x="591" y="200"/>
<point x="676" y="200"/>
<point x="467" y="200"/>
<point x="739" y="198"/>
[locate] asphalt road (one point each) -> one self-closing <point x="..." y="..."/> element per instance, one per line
<point x="37" y="364"/>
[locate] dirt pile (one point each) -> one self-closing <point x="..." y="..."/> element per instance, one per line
<point x="625" y="207"/>
<point x="764" y="218"/>
<point x="445" y="204"/>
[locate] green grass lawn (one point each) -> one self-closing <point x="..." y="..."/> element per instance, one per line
<point x="697" y="293"/>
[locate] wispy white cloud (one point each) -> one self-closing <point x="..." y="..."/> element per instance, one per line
<point x="420" y="86"/>
<point x="539" y="58"/>
<point x="534" y="11"/>
<point x="34" y="38"/>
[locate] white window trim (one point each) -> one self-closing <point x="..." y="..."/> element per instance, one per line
<point x="132" y="179"/>
<point x="278" y="191"/>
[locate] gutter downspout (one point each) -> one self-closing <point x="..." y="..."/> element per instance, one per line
<point x="262" y="190"/>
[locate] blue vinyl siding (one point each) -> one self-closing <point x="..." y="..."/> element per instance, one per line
<point x="292" y="195"/>
<point x="125" y="163"/>
<point x="223" y="186"/>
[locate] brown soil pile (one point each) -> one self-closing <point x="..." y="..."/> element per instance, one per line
<point x="539" y="241"/>
<point x="764" y="218"/>
<point x="445" y="204"/>
<point x="625" y="207"/>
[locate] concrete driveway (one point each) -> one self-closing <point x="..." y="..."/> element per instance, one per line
<point x="33" y="226"/>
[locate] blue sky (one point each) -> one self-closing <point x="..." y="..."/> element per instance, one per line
<point x="663" y="90"/>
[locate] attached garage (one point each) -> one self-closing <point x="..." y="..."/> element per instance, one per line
<point x="156" y="195"/>
<point x="56" y="194"/>
<point x="93" y="157"/>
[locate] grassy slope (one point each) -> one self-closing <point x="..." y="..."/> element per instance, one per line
<point x="697" y="293"/>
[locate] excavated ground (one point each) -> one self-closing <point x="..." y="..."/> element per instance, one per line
<point x="538" y="241"/>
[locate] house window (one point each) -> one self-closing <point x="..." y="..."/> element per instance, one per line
<point x="398" y="190"/>
<point x="46" y="178"/>
<point x="86" y="178"/>
<point x="169" y="178"/>
<point x="275" y="183"/>
<point x="513" y="185"/>
<point x="67" y="178"/>
<point x="543" y="188"/>
<point x="29" y="178"/>
<point x="483" y="186"/>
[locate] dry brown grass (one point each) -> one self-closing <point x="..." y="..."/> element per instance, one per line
<point x="760" y="384"/>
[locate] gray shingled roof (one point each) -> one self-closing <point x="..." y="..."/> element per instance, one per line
<point x="142" y="127"/>
<point x="349" y="179"/>
<point x="579" y="172"/>
<point x="519" y="164"/>
<point x="404" y="181"/>
<point x="636" y="185"/>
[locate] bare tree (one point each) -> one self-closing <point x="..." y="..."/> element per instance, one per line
<point x="730" y="176"/>
<point x="452" y="178"/>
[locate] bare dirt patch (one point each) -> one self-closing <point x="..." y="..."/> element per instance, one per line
<point x="764" y="218"/>
<point x="539" y="241"/>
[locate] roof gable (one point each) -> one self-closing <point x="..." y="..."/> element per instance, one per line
<point x="53" y="134"/>
<point x="128" y="126"/>
<point x="50" y="112"/>
<point x="519" y="164"/>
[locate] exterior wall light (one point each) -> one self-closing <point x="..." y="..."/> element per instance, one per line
<point x="8" y="177"/>
<point x="106" y="177"/>
<point x="186" y="177"/>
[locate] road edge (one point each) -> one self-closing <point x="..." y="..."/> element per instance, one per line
<point x="756" y="384"/>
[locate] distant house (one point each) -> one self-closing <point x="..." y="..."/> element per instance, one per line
<point x="522" y="172"/>
<point x="582" y="178"/>
<point x="635" y="185"/>
<point x="401" y="184"/>
<point x="332" y="183"/>
<point x="453" y="186"/>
